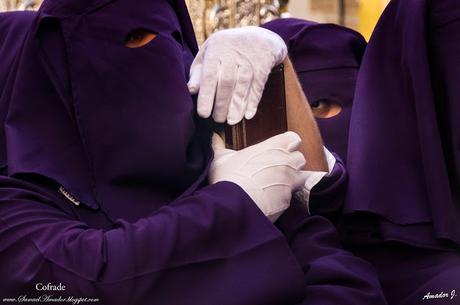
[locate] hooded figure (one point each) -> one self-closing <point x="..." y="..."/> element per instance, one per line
<point x="105" y="164"/>
<point x="105" y="156"/>
<point x="326" y="58"/>
<point x="403" y="157"/>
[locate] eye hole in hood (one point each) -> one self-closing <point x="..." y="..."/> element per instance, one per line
<point x="139" y="38"/>
<point x="325" y="109"/>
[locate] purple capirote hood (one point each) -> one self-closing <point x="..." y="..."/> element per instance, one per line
<point x="109" y="123"/>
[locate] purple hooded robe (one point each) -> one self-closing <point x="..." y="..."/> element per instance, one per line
<point x="105" y="165"/>
<point x="402" y="210"/>
<point x="426" y="274"/>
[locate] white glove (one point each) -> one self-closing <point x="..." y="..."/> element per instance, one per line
<point x="269" y="172"/>
<point x="313" y="178"/>
<point x="231" y="69"/>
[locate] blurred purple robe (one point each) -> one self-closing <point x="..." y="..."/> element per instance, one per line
<point x="105" y="165"/>
<point x="403" y="206"/>
<point x="424" y="273"/>
<point x="402" y="132"/>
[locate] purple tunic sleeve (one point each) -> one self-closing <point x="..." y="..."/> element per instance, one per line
<point x="326" y="198"/>
<point x="332" y="275"/>
<point x="214" y="247"/>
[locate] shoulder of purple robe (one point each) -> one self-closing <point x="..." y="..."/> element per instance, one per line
<point x="332" y="275"/>
<point x="214" y="247"/>
<point x="327" y="197"/>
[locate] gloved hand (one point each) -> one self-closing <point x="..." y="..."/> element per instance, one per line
<point x="231" y="69"/>
<point x="268" y="172"/>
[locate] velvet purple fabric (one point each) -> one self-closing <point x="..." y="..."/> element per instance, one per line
<point x="332" y="275"/>
<point x="104" y="187"/>
<point x="14" y="27"/>
<point x="402" y="209"/>
<point x="403" y="156"/>
<point x="116" y="128"/>
<point x="414" y="276"/>
<point x="84" y="118"/>
<point x="326" y="58"/>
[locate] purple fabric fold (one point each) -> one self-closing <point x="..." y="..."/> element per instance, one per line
<point x="105" y="167"/>
<point x="402" y="153"/>
<point x="326" y="197"/>
<point x="332" y="275"/>
<point x="14" y="27"/>
<point x="129" y="130"/>
<point x="105" y="181"/>
<point x="230" y="254"/>
<point x="428" y="275"/>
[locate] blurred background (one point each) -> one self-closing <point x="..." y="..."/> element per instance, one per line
<point x="212" y="15"/>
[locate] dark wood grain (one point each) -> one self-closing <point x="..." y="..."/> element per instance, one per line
<point x="271" y="117"/>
